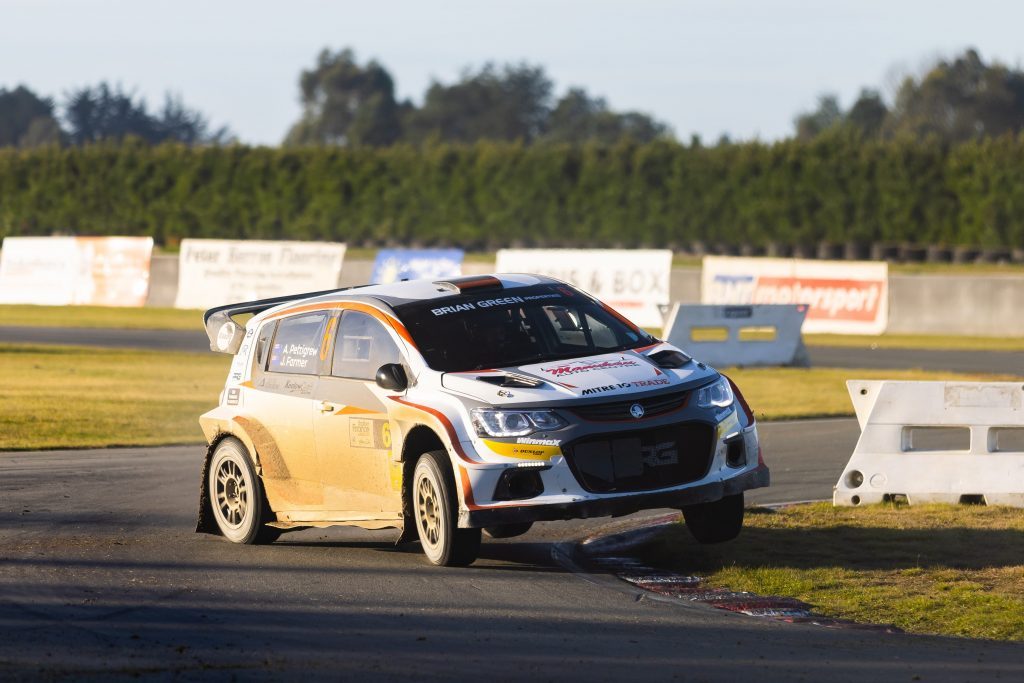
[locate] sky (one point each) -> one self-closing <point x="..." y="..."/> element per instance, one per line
<point x="745" y="69"/>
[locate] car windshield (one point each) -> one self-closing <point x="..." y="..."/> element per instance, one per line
<point x="521" y="326"/>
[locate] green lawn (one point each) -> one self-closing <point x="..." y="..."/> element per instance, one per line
<point x="789" y="393"/>
<point x="101" y="316"/>
<point x="65" y="397"/>
<point x="949" y="570"/>
<point x="71" y="397"/>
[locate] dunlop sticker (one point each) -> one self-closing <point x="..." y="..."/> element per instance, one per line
<point x="523" y="451"/>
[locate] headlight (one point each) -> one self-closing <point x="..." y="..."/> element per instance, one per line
<point x="503" y="423"/>
<point x="717" y="395"/>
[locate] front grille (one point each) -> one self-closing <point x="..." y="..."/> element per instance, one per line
<point x="644" y="459"/>
<point x="619" y="410"/>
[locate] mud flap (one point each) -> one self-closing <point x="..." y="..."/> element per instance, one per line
<point x="205" y="523"/>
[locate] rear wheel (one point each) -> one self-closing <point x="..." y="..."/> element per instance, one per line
<point x="435" y="508"/>
<point x="236" y="496"/>
<point x="715" y="522"/>
<point x="508" y="530"/>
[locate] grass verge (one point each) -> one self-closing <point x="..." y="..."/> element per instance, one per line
<point x="101" y="316"/>
<point x="72" y="397"/>
<point x="948" y="570"/>
<point x="67" y="397"/>
<point x="790" y="393"/>
<point x="916" y="341"/>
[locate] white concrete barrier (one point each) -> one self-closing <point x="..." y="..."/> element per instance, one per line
<point x="936" y="442"/>
<point x="765" y="334"/>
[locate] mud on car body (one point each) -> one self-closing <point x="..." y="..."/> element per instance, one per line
<point x="444" y="408"/>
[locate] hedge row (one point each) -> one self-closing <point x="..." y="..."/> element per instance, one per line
<point x="834" y="189"/>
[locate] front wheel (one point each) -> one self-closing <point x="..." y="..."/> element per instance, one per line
<point x="236" y="496"/>
<point x="435" y="508"/>
<point x="715" y="522"/>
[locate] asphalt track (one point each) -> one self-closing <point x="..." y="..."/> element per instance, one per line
<point x="1002" y="362"/>
<point x="101" y="577"/>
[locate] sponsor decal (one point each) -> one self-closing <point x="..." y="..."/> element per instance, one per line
<point x="578" y="366"/>
<point x="607" y="387"/>
<point x="505" y="393"/>
<point x="660" y="454"/>
<point x="523" y="451"/>
<point x="486" y="303"/>
<point x="729" y="425"/>
<point x="538" y="442"/>
<point x="232" y="397"/>
<point x="631" y="281"/>
<point x="840" y="296"/>
<point x="367" y="433"/>
<point x="650" y="382"/>
<point x="294" y="387"/>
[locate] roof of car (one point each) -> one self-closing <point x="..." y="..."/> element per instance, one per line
<point x="409" y="291"/>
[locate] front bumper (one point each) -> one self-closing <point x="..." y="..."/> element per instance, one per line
<point x="618" y="505"/>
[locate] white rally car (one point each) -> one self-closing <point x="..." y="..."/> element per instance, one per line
<point x="443" y="408"/>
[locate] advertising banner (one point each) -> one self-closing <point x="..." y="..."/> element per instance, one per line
<point x="632" y="281"/>
<point x="394" y="265"/>
<point x="843" y="297"/>
<point x="61" y="271"/>
<point x="217" y="272"/>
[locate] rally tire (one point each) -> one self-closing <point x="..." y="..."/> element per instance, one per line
<point x="435" y="510"/>
<point x="236" y="494"/>
<point x="715" y="522"/>
<point x="508" y="530"/>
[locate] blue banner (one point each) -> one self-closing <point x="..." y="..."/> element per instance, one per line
<point x="393" y="265"/>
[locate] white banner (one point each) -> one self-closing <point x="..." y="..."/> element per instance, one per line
<point x="217" y="272"/>
<point x="843" y="297"/>
<point x="60" y="271"/>
<point x="632" y="281"/>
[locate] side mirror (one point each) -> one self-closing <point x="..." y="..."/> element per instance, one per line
<point x="392" y="377"/>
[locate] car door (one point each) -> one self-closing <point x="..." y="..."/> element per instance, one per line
<point x="289" y="354"/>
<point x="353" y="431"/>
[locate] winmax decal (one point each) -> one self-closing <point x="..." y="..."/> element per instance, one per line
<point x="523" y="451"/>
<point x="538" y="442"/>
<point x="576" y="367"/>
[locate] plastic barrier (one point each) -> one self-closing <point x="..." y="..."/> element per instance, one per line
<point x="767" y="334"/>
<point x="936" y="442"/>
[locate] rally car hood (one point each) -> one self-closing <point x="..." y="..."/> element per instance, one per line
<point x="593" y="377"/>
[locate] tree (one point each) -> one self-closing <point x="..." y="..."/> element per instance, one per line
<point x="868" y="113"/>
<point x="579" y="118"/>
<point x="508" y="103"/>
<point x="26" y="119"/>
<point x="104" y="113"/>
<point x="827" y="115"/>
<point x="346" y="104"/>
<point x="960" y="100"/>
<point x="181" y="124"/>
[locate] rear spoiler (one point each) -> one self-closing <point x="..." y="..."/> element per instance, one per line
<point x="226" y="335"/>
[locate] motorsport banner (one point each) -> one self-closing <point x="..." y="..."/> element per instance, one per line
<point x="632" y="281"/>
<point x="216" y="272"/>
<point x="62" y="271"/>
<point x="843" y="297"/>
<point x="394" y="265"/>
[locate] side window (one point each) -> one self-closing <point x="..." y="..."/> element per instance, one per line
<point x="263" y="344"/>
<point x="296" y="347"/>
<point x="572" y="330"/>
<point x="362" y="346"/>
